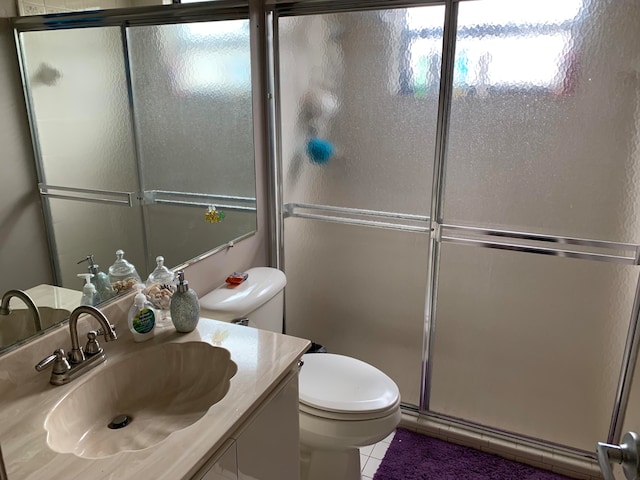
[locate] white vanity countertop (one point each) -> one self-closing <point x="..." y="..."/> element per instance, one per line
<point x="263" y="359"/>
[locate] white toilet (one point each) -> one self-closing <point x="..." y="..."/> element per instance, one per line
<point x="344" y="403"/>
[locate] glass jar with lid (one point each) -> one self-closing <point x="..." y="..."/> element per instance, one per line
<point x="159" y="290"/>
<point x="123" y="274"/>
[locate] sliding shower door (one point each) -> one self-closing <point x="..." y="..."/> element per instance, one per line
<point x="357" y="150"/>
<point x="503" y="170"/>
<point x="529" y="334"/>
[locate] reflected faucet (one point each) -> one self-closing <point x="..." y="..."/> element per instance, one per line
<point x="66" y="368"/>
<point x="5" y="310"/>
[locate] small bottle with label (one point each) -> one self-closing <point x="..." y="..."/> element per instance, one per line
<point x="142" y="317"/>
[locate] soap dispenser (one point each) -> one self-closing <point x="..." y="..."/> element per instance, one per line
<point x="185" y="308"/>
<point x="122" y="274"/>
<point x="160" y="289"/>
<point x="142" y="317"/>
<point x="104" y="291"/>
<point x="89" y="293"/>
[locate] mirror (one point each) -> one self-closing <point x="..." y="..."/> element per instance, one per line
<point x="143" y="137"/>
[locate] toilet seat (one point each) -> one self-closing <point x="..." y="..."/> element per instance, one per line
<point x="345" y="388"/>
<point x="348" y="416"/>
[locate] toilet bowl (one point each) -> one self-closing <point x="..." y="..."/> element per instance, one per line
<point x="344" y="403"/>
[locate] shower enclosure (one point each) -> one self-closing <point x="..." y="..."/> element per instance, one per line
<point x="459" y="203"/>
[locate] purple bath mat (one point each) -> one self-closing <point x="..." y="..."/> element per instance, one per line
<point x="412" y="456"/>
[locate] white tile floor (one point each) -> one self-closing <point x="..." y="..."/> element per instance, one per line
<point x="371" y="456"/>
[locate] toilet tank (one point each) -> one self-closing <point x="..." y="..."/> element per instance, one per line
<point x="260" y="298"/>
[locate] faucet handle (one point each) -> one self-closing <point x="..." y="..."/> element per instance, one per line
<point x="59" y="360"/>
<point x="44" y="363"/>
<point x="92" y="347"/>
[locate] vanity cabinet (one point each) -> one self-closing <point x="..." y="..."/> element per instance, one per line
<point x="267" y="445"/>
<point x="223" y="465"/>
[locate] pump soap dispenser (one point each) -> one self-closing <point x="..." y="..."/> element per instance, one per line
<point x="88" y="290"/>
<point x="123" y="275"/>
<point x="185" y="308"/>
<point x="142" y="317"/>
<point x="100" y="279"/>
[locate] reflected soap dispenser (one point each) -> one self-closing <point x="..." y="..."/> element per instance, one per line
<point x="185" y="307"/>
<point x="142" y="316"/>
<point x="88" y="290"/>
<point x="100" y="279"/>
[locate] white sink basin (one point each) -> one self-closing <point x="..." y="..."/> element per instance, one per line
<point x="161" y="390"/>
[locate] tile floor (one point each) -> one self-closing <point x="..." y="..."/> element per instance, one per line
<point x="371" y="456"/>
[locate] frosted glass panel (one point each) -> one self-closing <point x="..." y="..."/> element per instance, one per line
<point x="358" y="107"/>
<point x="180" y="233"/>
<point x="530" y="344"/>
<point x="359" y="292"/>
<point x="26" y="8"/>
<point x="199" y="138"/>
<point x="83" y="228"/>
<point x="81" y="107"/>
<point x="545" y="118"/>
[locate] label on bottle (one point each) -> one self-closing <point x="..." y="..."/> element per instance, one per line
<point x="144" y="321"/>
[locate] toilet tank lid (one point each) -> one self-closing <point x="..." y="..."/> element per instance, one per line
<point x="231" y="301"/>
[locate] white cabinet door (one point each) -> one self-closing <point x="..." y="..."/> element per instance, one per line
<point x="222" y="466"/>
<point x="268" y="446"/>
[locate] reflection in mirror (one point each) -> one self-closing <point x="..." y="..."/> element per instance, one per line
<point x="143" y="142"/>
<point x="28" y="8"/>
<point x="17" y="323"/>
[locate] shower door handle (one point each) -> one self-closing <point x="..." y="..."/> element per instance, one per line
<point x="627" y="454"/>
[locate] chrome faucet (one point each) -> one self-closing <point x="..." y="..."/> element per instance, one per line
<point x="76" y="355"/>
<point x="5" y="310"/>
<point x="66" y="368"/>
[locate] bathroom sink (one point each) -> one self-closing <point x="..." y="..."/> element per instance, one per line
<point x="19" y="324"/>
<point x="139" y="400"/>
<point x="50" y="316"/>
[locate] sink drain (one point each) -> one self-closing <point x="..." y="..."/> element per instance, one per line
<point x="119" y="421"/>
